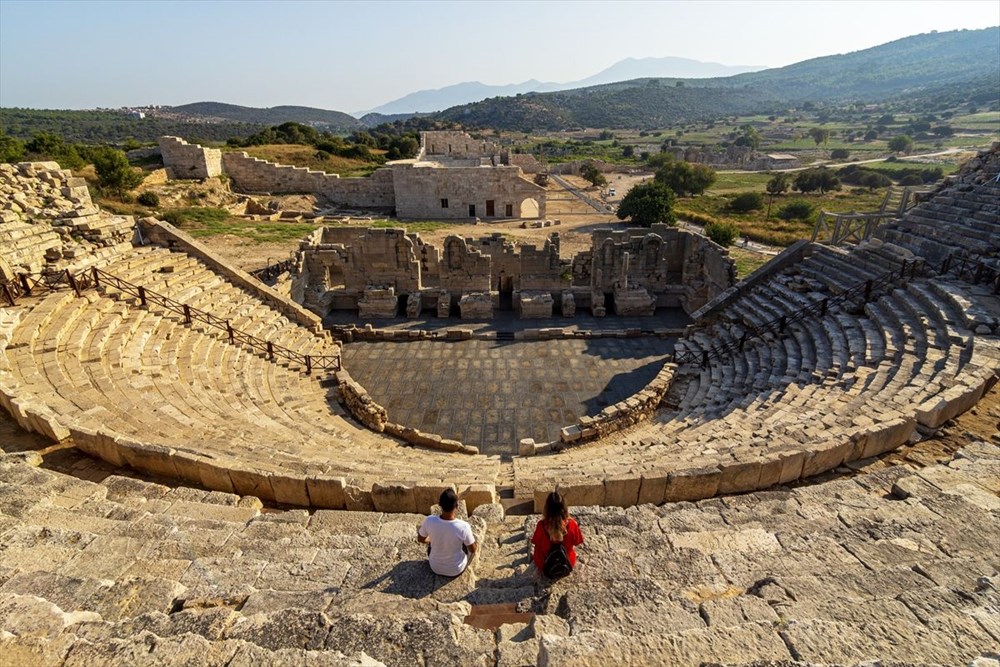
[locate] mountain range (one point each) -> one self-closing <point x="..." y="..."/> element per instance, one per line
<point x="424" y="101"/>
<point x="911" y="67"/>
<point x="959" y="65"/>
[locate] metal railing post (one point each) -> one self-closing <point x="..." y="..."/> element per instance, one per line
<point x="946" y="265"/>
<point x="979" y="273"/>
<point x="142" y="296"/>
<point x="229" y="330"/>
<point x="24" y="283"/>
<point x="187" y="314"/>
<point x="868" y="289"/>
<point x="270" y="351"/>
<point x="309" y="365"/>
<point x="72" y="283"/>
<point x="9" y="293"/>
<point x="97" y="277"/>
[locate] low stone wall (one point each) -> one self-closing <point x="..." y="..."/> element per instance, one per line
<point x="359" y="403"/>
<point x="701" y="482"/>
<point x="634" y="409"/>
<point x="192" y="161"/>
<point x="289" y="488"/>
<point x="166" y="235"/>
<point x="252" y="174"/>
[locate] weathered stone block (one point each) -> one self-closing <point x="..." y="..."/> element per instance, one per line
<point x="327" y="492"/>
<point x="393" y="498"/>
<point x="622" y="491"/>
<point x="692" y="484"/>
<point x="475" y="495"/>
<point x="652" y="488"/>
<point x="289" y="489"/>
<point x="738" y="477"/>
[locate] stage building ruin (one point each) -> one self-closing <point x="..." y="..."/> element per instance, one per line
<point x="385" y="273"/>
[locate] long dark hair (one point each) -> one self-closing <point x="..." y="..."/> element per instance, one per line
<point x="555" y="515"/>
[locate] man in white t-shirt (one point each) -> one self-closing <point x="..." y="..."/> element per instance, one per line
<point x="451" y="541"/>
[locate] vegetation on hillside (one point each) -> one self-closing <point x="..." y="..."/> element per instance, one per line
<point x="910" y="67"/>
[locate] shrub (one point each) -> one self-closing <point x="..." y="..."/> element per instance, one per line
<point x="723" y="233"/>
<point x="840" y="154"/>
<point x="796" y="210"/>
<point x="911" y="179"/>
<point x="150" y="199"/>
<point x="746" y="202"/>
<point x="696" y="218"/>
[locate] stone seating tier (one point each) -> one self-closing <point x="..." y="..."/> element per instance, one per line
<point x="129" y="572"/>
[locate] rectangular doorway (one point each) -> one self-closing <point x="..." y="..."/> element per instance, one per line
<point x="472" y="210"/>
<point x="490" y="212"/>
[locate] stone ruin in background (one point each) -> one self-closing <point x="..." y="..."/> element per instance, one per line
<point x="385" y="273"/>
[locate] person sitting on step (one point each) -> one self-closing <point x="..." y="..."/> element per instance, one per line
<point x="450" y="542"/>
<point x="555" y="536"/>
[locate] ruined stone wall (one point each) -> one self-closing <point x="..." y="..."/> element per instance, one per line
<point x="655" y="258"/>
<point x="708" y="272"/>
<point x="462" y="268"/>
<point x="185" y="160"/>
<point x="528" y="163"/>
<point x="255" y="175"/>
<point x="49" y="223"/>
<point x="541" y="269"/>
<point x="457" y="145"/>
<point x="505" y="260"/>
<point x="425" y="190"/>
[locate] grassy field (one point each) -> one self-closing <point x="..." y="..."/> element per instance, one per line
<point x="747" y="261"/>
<point x="773" y="230"/>
<point x="203" y="221"/>
<point x="306" y="156"/>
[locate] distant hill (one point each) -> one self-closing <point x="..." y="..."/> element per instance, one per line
<point x="630" y="68"/>
<point x="903" y="67"/>
<point x="375" y="119"/>
<point x="332" y="121"/>
<point x="115" y="127"/>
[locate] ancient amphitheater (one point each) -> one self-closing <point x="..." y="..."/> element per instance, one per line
<point x="208" y="485"/>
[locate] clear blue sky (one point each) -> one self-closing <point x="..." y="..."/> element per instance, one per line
<point x="354" y="56"/>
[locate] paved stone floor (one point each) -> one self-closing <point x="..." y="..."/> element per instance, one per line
<point x="493" y="393"/>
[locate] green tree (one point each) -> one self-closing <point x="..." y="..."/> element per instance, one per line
<point x="871" y="135"/>
<point x="115" y="173"/>
<point x="778" y="185"/>
<point x="820" y="135"/>
<point x="628" y="151"/>
<point x="749" y="136"/>
<point x="11" y="149"/>
<point x="591" y="173"/>
<point x="840" y="154"/>
<point x="685" y="178"/>
<point x="647" y="204"/>
<point x="901" y="144"/>
<point x="821" y="179"/>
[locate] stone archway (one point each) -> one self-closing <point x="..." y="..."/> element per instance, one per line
<point x="530" y="208"/>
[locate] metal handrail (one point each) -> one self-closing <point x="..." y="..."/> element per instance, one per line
<point x="235" y="336"/>
<point x="27" y="285"/>
<point x="778" y="324"/>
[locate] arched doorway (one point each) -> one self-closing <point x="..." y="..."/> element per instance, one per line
<point x="529" y="208"/>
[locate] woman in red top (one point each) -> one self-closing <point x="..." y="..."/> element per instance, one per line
<point x="555" y="526"/>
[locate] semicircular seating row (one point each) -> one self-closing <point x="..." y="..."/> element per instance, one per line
<point x="848" y="385"/>
<point x="136" y="386"/>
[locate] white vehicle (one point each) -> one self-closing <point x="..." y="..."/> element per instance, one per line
<point x="612" y="192"/>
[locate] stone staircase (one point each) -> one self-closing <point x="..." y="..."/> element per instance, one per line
<point x="963" y="221"/>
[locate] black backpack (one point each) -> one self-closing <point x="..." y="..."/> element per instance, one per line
<point x="557" y="562"/>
